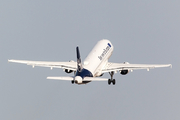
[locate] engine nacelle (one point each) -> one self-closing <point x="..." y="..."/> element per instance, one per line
<point x="68" y="71"/>
<point x="78" y="80"/>
<point x="124" y="72"/>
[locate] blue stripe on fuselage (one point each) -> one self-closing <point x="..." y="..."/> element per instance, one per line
<point x="84" y="73"/>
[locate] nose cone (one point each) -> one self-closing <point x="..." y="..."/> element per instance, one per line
<point x="78" y="80"/>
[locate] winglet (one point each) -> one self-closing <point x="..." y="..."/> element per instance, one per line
<point x="171" y="65"/>
<point x="9" y="60"/>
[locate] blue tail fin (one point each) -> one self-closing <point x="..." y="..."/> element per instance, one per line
<point x="79" y="64"/>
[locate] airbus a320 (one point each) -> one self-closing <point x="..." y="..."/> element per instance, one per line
<point x="93" y="67"/>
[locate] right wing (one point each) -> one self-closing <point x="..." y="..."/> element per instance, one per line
<point x="126" y="66"/>
<point x="64" y="65"/>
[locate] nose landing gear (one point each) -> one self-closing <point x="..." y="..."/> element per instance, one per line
<point x="113" y="81"/>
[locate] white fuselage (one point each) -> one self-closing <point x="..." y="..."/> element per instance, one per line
<point x="98" y="57"/>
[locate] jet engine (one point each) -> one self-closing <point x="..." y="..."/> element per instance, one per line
<point x="68" y="71"/>
<point x="78" y="80"/>
<point x="124" y="72"/>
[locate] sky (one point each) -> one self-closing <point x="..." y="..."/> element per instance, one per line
<point x="142" y="32"/>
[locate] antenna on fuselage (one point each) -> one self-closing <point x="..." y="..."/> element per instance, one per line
<point x="79" y="64"/>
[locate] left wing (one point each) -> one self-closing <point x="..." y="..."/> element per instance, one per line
<point x="126" y="66"/>
<point x="64" y="65"/>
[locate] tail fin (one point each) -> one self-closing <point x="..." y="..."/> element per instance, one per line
<point x="79" y="64"/>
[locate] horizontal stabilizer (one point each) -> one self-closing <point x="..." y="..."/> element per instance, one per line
<point x="61" y="78"/>
<point x="85" y="79"/>
<point x="95" y="79"/>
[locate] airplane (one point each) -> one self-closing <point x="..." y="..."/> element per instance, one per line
<point x="93" y="67"/>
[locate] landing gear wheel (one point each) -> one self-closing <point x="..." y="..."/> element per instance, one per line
<point x="109" y="81"/>
<point x="114" y="81"/>
<point x="72" y="81"/>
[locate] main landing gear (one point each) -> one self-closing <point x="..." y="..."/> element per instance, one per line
<point x="113" y="81"/>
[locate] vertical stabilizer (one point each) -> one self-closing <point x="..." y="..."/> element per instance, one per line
<point x="79" y="64"/>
